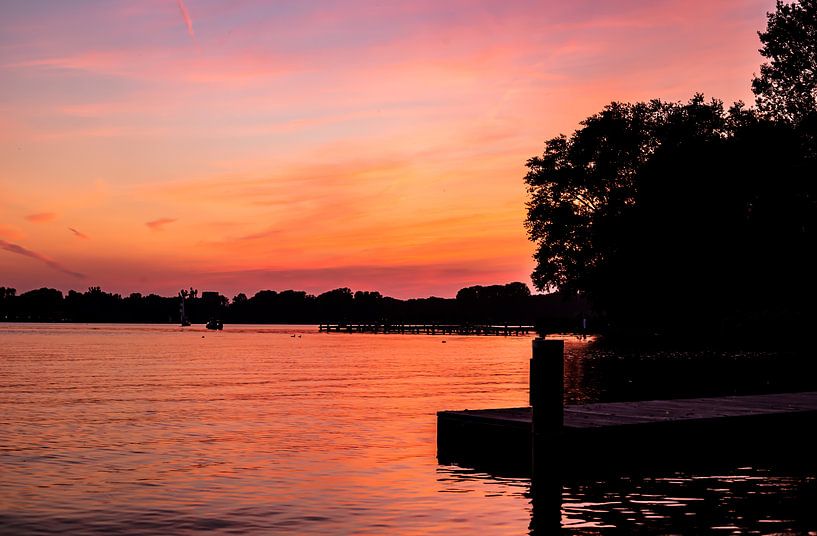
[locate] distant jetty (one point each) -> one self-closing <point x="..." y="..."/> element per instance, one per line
<point x="429" y="329"/>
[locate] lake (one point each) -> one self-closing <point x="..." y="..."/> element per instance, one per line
<point x="132" y="429"/>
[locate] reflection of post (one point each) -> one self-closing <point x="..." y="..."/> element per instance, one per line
<point x="546" y="400"/>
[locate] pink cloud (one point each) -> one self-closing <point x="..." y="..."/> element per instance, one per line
<point x="158" y="225"/>
<point x="159" y="65"/>
<point x="187" y="20"/>
<point x="20" y="250"/>
<point x="41" y="217"/>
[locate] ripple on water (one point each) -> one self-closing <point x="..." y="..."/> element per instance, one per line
<point x="123" y="429"/>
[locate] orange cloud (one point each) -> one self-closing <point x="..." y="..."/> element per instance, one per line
<point x="158" y="225"/>
<point x="12" y="233"/>
<point x="41" y="217"/>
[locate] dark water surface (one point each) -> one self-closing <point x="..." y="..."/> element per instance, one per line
<point x="111" y="429"/>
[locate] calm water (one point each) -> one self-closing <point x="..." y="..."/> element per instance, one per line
<point x="155" y="429"/>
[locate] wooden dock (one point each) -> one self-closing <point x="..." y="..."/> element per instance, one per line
<point x="593" y="433"/>
<point x="643" y="433"/>
<point x="428" y="329"/>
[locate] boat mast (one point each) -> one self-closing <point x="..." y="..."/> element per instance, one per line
<point x="182" y="315"/>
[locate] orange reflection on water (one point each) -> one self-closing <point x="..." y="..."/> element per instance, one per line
<point x="249" y="428"/>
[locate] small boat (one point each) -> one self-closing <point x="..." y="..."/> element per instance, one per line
<point x="215" y="324"/>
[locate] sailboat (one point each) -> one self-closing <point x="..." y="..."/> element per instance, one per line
<point x="182" y="316"/>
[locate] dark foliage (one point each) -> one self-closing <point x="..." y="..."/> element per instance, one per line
<point x="680" y="218"/>
<point x="501" y="304"/>
<point x="787" y="86"/>
<point x="687" y="219"/>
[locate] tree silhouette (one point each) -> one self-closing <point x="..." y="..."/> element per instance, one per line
<point x="511" y="303"/>
<point x="787" y="86"/>
<point x="582" y="187"/>
<point x="678" y="217"/>
<point x="40" y="305"/>
<point x="689" y="218"/>
<point x="7" y="296"/>
<point x="494" y="303"/>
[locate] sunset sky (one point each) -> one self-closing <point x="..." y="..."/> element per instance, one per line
<point x="256" y="144"/>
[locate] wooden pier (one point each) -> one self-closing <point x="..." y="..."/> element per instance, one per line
<point x="603" y="435"/>
<point x="428" y="329"/>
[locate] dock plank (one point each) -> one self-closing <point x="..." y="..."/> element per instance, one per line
<point x="651" y="411"/>
<point x="696" y="408"/>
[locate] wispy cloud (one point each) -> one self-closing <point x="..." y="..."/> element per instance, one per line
<point x="78" y="234"/>
<point x="187" y="20"/>
<point x="20" y="250"/>
<point x="41" y="217"/>
<point x="158" y="225"/>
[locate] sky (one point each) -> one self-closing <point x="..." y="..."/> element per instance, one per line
<point x="254" y="144"/>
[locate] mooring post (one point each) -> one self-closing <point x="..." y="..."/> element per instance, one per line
<point x="547" y="408"/>
<point x="547" y="367"/>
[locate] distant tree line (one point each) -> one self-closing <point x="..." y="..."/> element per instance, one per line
<point x="690" y="219"/>
<point x="500" y="304"/>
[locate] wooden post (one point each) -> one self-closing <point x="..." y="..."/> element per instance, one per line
<point x="547" y="408"/>
<point x="547" y="367"/>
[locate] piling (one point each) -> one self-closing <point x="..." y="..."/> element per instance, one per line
<point x="547" y="423"/>
<point x="546" y="393"/>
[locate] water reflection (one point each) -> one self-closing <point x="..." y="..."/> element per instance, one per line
<point x="743" y="500"/>
<point x="128" y="429"/>
<point x="738" y="500"/>
<point x="596" y="373"/>
<point x="677" y="494"/>
<point x="154" y="429"/>
<point x="455" y="479"/>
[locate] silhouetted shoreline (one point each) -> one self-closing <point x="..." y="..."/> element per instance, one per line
<point x="511" y="304"/>
<point x="495" y="304"/>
